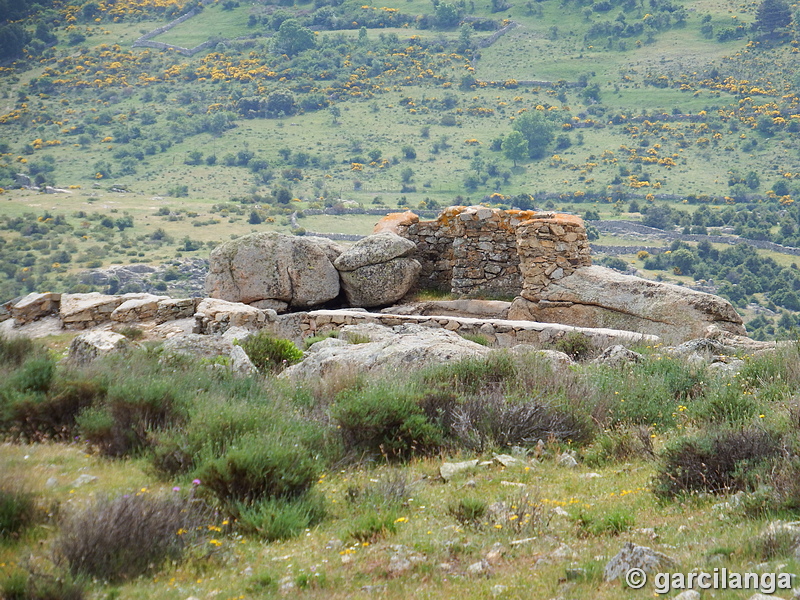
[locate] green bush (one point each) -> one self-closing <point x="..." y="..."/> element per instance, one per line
<point x="35" y="375"/>
<point x="725" y="402"/>
<point x="14" y="351"/>
<point x="133" y="409"/>
<point x="21" y="585"/>
<point x="387" y="420"/>
<point x="619" y="445"/>
<point x="614" y="522"/>
<point x="372" y="526"/>
<point x="270" y="354"/>
<point x="259" y="467"/>
<point x="281" y="518"/>
<point x="35" y="416"/>
<point x="17" y="510"/>
<point x="122" y="538"/>
<point x="716" y="461"/>
<point x="576" y="345"/>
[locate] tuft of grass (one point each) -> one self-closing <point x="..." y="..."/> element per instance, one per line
<point x="477" y="338"/>
<point x="468" y="511"/>
<point x="310" y="341"/>
<point x="614" y="522"/>
<point x="17" y="509"/>
<point x="280" y="518"/>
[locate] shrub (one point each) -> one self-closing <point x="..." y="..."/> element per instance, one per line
<point x="40" y="586"/>
<point x="14" y="351"/>
<point x="575" y="345"/>
<point x="714" y="461"/>
<point x="389" y="491"/>
<point x="495" y="420"/>
<point x="725" y="403"/>
<point x="34" y="417"/>
<point x="259" y="467"/>
<point x="270" y="354"/>
<point x="387" y="420"/>
<point x="281" y="518"/>
<point x="132" y="410"/>
<point x="621" y="444"/>
<point x="17" y="509"/>
<point x="472" y="374"/>
<point x="35" y="375"/>
<point x="468" y="511"/>
<point x="118" y="539"/>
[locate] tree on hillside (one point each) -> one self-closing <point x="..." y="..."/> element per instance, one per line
<point x="515" y="147"/>
<point x="292" y="38"/>
<point x="772" y="15"/>
<point x="537" y="129"/>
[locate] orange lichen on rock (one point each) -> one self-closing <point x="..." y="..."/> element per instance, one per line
<point x="394" y="221"/>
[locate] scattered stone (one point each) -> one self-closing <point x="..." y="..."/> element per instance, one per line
<point x="240" y="362"/>
<point x="373" y="589"/>
<point x="449" y="470"/>
<point x="568" y="461"/>
<point x="589" y="475"/>
<point x="781" y="534"/>
<point x="563" y="552"/>
<point x="557" y="510"/>
<point x="688" y="595"/>
<point x="95" y="344"/>
<point x="522" y="541"/>
<point x="507" y="460"/>
<point x="83" y="480"/>
<point x="482" y="567"/>
<point x="616" y="356"/>
<point x="726" y="368"/>
<point x="495" y="553"/>
<point x="636" y="557"/>
<point x="498" y="590"/>
<point x="51" y="483"/>
<point x="759" y="596"/>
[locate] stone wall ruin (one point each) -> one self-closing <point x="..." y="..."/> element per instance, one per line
<point x="474" y="251"/>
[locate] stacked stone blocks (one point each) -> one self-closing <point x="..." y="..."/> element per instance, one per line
<point x="474" y="251"/>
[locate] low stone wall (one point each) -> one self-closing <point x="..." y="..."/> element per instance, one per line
<point x="502" y="333"/>
<point x="474" y="250"/>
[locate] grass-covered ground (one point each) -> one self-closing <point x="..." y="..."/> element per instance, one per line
<point x="213" y="485"/>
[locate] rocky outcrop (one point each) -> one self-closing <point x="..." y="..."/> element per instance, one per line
<point x="488" y="309"/>
<point x="375" y="271"/>
<point x="35" y="306"/>
<point x="214" y="349"/>
<point x="91" y="345"/>
<point x="137" y="309"/>
<point x="632" y="556"/>
<point x="217" y="316"/>
<point x="294" y="270"/>
<point x="82" y="311"/>
<point x="380" y="284"/>
<point x="400" y="348"/>
<point x="600" y="297"/>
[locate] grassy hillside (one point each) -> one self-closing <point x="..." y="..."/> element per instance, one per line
<point x="659" y="103"/>
<point x="149" y="476"/>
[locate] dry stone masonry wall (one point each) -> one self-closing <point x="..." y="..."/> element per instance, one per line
<point x="475" y="250"/>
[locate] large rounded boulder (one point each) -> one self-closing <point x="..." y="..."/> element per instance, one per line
<point x="275" y="270"/>
<point x="378" y="270"/>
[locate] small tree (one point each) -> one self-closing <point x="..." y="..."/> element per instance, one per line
<point x="292" y="38"/>
<point x="538" y="131"/>
<point x="515" y="147"/>
<point x="772" y="15"/>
